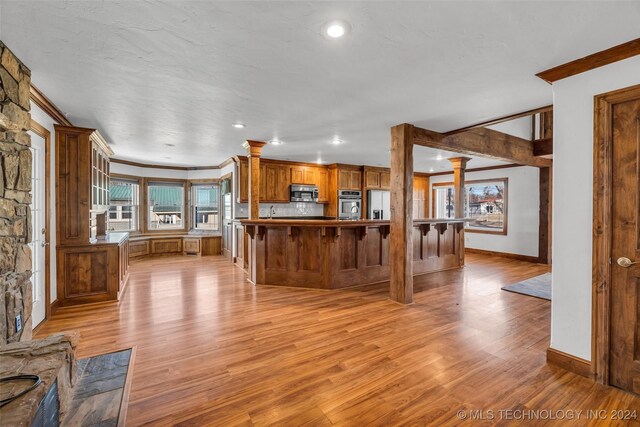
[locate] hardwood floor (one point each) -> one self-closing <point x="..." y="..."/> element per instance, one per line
<point x="214" y="350"/>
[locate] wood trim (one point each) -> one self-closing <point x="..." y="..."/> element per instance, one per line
<point x="124" y="403"/>
<point x="48" y="106"/>
<point x="503" y="119"/>
<point x="153" y="166"/>
<point x="40" y="130"/>
<point x="504" y="180"/>
<point x="519" y="257"/>
<point x="185" y="205"/>
<point x="141" y="204"/>
<point x="545" y="215"/>
<point x="569" y="363"/>
<point x="590" y="62"/>
<point x="485" y="168"/>
<point x="55" y="305"/>
<point x="543" y="147"/>
<point x="602" y="227"/>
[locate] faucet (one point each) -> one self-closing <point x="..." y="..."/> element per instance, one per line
<point x="272" y="211"/>
<point x="355" y="210"/>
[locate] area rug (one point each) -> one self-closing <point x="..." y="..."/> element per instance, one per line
<point x="539" y="287"/>
<point x="101" y="390"/>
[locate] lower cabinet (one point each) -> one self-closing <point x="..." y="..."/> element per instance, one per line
<point x="144" y="246"/>
<point x="191" y="246"/>
<point x="91" y="273"/>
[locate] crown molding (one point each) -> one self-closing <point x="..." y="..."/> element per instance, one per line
<point x="48" y="106"/>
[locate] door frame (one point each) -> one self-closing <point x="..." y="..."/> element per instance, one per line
<point x="603" y="227"/>
<point x="40" y="130"/>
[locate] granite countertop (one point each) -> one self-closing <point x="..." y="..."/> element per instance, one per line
<point x="112" y="238"/>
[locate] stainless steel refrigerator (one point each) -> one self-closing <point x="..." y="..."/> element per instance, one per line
<point x="378" y="204"/>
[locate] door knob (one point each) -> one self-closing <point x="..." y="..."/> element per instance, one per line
<point x="44" y="244"/>
<point x="625" y="262"/>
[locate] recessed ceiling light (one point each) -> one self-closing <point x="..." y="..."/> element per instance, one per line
<point x="170" y="145"/>
<point x="319" y="161"/>
<point x="275" y="141"/>
<point x="336" y="29"/>
<point x="336" y="141"/>
<point x="239" y="125"/>
<point x="431" y="170"/>
<point x="439" y="157"/>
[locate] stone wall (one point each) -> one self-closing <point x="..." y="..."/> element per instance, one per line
<point x="15" y="198"/>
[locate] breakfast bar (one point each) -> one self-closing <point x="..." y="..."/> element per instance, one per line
<point x="326" y="254"/>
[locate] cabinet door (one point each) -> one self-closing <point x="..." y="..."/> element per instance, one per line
<point x="297" y="175"/>
<point x="310" y="176"/>
<point x="191" y="246"/>
<point x="344" y="179"/>
<point x="322" y="181"/>
<point x="356" y="180"/>
<point x="243" y="180"/>
<point x="263" y="183"/>
<point x="372" y="179"/>
<point x="385" y="180"/>
<point x="283" y="183"/>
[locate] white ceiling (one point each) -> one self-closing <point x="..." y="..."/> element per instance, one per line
<point x="150" y="73"/>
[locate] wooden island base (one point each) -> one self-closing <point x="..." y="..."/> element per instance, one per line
<point x="340" y="254"/>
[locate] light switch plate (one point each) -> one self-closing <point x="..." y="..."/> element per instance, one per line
<point x="18" y="323"/>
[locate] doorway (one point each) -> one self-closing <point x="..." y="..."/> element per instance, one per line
<point x="40" y="249"/>
<point x="616" y="256"/>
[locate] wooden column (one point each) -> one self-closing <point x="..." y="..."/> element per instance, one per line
<point x="401" y="251"/>
<point x="254" y="149"/>
<point x="459" y="166"/>
<point x="544" y="232"/>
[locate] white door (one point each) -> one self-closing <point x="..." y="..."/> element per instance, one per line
<point x="38" y="224"/>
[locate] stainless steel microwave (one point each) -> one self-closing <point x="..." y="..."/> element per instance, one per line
<point x="304" y="193"/>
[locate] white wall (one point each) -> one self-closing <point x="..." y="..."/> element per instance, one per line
<point x="43" y="119"/>
<point x="523" y="200"/>
<point x="572" y="200"/>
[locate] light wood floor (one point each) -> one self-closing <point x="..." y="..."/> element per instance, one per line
<point x="214" y="350"/>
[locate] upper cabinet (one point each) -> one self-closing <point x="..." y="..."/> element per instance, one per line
<point x="377" y="178"/>
<point x="276" y="180"/>
<point x="421" y="197"/>
<point x="243" y="181"/>
<point x="82" y="184"/>
<point x="322" y="181"/>
<point x="306" y="175"/>
<point x="349" y="179"/>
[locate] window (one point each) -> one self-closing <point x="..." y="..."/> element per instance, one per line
<point x="123" y="204"/>
<point x="485" y="204"/>
<point x="166" y="205"/>
<point x="205" y="201"/>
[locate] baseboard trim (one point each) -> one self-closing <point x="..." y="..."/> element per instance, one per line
<point x="55" y="306"/>
<point x="519" y="257"/>
<point x="569" y="362"/>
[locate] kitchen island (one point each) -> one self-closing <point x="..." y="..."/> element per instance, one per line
<point x="325" y="254"/>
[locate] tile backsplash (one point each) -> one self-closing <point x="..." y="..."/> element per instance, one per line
<point x="283" y="209"/>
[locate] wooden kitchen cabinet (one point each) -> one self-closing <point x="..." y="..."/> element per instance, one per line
<point x="377" y="178"/>
<point x="385" y="180"/>
<point x="243" y="181"/>
<point x="349" y="179"/>
<point x="274" y="182"/>
<point x="420" y="197"/>
<point x="305" y="175"/>
<point x="322" y="181"/>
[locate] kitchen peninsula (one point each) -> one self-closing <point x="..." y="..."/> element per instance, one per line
<point x="326" y="254"/>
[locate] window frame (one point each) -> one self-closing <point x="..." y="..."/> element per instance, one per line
<point x="141" y="203"/>
<point x="505" y="181"/>
<point x="191" y="202"/>
<point x="185" y="210"/>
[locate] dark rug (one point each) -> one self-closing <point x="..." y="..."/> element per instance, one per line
<point x="539" y="287"/>
<point x="100" y="389"/>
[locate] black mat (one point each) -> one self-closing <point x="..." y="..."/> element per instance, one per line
<point x="539" y="287"/>
<point x="100" y="389"/>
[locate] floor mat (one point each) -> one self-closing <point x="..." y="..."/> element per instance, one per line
<point x="539" y="287"/>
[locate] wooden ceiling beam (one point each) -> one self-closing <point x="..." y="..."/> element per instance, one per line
<point x="543" y="147"/>
<point x="485" y="143"/>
